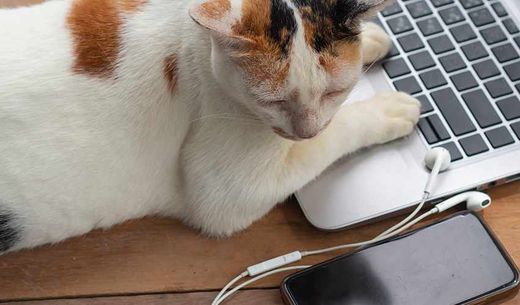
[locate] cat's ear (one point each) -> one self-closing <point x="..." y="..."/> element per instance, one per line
<point x="218" y="16"/>
<point x="370" y="8"/>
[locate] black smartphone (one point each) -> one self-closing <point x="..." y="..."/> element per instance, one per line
<point x="457" y="260"/>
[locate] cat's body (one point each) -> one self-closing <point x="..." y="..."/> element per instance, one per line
<point x="136" y="123"/>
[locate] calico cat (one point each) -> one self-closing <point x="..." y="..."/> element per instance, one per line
<point x="209" y="111"/>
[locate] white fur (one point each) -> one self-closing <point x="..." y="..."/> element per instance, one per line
<point x="78" y="153"/>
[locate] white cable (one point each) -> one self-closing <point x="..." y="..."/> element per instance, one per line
<point x="386" y="234"/>
<point x="407" y="219"/>
<point x="218" y="300"/>
<point x="405" y="224"/>
<point x="416" y="220"/>
<point x="268" y="268"/>
<point x="236" y="279"/>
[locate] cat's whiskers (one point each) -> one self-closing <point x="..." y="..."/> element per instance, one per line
<point x="229" y="116"/>
<point x="369" y="67"/>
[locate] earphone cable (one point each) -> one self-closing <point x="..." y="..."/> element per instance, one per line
<point x="219" y="299"/>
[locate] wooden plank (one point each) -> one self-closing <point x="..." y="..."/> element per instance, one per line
<point x="162" y="255"/>
<point x="17" y="3"/>
<point x="251" y="297"/>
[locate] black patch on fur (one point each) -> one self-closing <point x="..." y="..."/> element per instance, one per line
<point x="334" y="20"/>
<point x="283" y="25"/>
<point x="8" y="234"/>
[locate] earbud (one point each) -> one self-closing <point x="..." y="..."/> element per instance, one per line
<point x="437" y="160"/>
<point x="439" y="156"/>
<point x="475" y="201"/>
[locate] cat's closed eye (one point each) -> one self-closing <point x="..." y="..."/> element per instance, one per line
<point x="334" y="94"/>
<point x="272" y="103"/>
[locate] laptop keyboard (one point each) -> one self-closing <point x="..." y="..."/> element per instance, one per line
<point x="461" y="60"/>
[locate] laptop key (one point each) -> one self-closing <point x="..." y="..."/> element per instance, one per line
<point x="493" y="35"/>
<point x="451" y="109"/>
<point x="513" y="71"/>
<point x="510" y="26"/>
<point x="517" y="40"/>
<point x="452" y="62"/>
<point x="408" y="84"/>
<point x="464" y="81"/>
<point x="392" y="10"/>
<point x="399" y="24"/>
<point x="505" y="52"/>
<point x="474" y="51"/>
<point x="481" y="17"/>
<point x="433" y="129"/>
<point x="498" y="88"/>
<point x="510" y="107"/>
<point x="419" y="9"/>
<point x="426" y="105"/>
<point x="421" y="60"/>
<point x="433" y="79"/>
<point x="463" y="33"/>
<point x="439" y="3"/>
<point x="441" y="44"/>
<point x="438" y="127"/>
<point x="455" y="153"/>
<point x="499" y="9"/>
<point x="516" y="129"/>
<point x="481" y="108"/>
<point x="517" y="86"/>
<point x="411" y="42"/>
<point x="427" y="131"/>
<point x="499" y="137"/>
<point x="393" y="51"/>
<point x="451" y="15"/>
<point x="396" y="67"/>
<point x="471" y="3"/>
<point x="473" y="145"/>
<point x="430" y="26"/>
<point x="486" y="69"/>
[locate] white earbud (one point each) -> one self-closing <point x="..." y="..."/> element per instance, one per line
<point x="475" y="201"/>
<point x="437" y="160"/>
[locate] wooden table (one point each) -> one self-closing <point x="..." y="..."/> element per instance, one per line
<point x="159" y="261"/>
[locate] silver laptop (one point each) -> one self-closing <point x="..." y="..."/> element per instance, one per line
<point x="461" y="59"/>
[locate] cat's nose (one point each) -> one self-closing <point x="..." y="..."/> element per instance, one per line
<point x="307" y="134"/>
<point x="306" y="125"/>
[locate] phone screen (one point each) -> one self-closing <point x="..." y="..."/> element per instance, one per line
<point x="451" y="262"/>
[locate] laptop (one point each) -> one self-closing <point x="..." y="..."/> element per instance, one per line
<point x="461" y="59"/>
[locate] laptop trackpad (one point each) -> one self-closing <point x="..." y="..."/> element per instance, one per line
<point x="351" y="190"/>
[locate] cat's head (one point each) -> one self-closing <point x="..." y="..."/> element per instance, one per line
<point x="291" y="62"/>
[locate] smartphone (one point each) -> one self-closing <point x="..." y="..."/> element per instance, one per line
<point x="454" y="261"/>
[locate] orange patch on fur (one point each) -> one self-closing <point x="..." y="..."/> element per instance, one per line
<point x="95" y="27"/>
<point x="341" y="53"/>
<point x="170" y="72"/>
<point x="131" y="6"/>
<point x="216" y="9"/>
<point x="262" y="59"/>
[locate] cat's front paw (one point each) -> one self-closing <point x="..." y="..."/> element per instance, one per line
<point x="375" y="43"/>
<point x="397" y="113"/>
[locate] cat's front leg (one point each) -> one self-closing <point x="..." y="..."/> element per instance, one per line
<point x="228" y="187"/>
<point x="375" y="43"/>
<point x="383" y="118"/>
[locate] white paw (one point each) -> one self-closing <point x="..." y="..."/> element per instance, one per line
<point x="397" y="113"/>
<point x="375" y="43"/>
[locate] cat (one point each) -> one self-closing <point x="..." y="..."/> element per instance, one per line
<point x="208" y="111"/>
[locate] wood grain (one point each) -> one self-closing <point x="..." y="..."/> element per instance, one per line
<point x="251" y="297"/>
<point x="17" y="3"/>
<point x="162" y="255"/>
